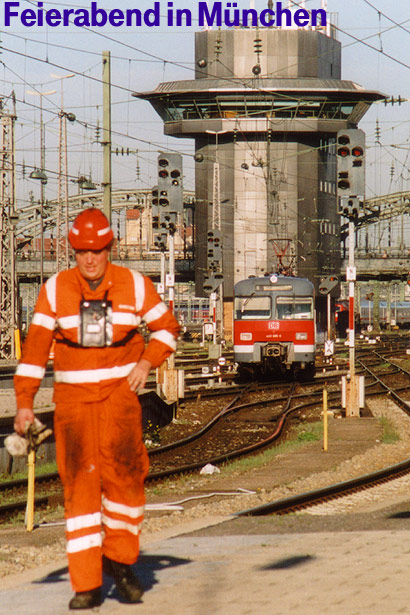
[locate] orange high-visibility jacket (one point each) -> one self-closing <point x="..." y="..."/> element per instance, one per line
<point x="90" y="374"/>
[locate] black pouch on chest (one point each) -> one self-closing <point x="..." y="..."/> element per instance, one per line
<point x="95" y="323"/>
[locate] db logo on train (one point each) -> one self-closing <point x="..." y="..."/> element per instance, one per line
<point x="273" y="325"/>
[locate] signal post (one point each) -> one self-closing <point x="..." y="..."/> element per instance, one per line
<point x="329" y="286"/>
<point x="167" y="203"/>
<point x="351" y="190"/>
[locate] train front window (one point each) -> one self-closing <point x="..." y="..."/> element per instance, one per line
<point x="298" y="308"/>
<point x="252" y="308"/>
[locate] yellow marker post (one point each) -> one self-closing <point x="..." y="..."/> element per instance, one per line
<point x="325" y="423"/>
<point x="30" y="490"/>
<point x="17" y="343"/>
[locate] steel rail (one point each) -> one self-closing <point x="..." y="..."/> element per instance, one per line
<point x="230" y="408"/>
<point x="366" y="481"/>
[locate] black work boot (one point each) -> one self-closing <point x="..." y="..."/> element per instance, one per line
<point x="126" y="582"/>
<point x="86" y="600"/>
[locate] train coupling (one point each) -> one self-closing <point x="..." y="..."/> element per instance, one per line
<point x="274" y="350"/>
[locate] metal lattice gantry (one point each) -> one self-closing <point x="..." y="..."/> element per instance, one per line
<point x="384" y="227"/>
<point x="8" y="220"/>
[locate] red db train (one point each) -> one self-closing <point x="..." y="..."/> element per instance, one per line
<point x="274" y="326"/>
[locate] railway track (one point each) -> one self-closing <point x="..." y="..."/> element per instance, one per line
<point x="236" y="430"/>
<point x="259" y="421"/>
<point x="361" y="483"/>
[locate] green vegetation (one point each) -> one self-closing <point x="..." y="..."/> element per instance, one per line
<point x="300" y="436"/>
<point x="404" y="363"/>
<point x="54" y="514"/>
<point x="45" y="468"/>
<point x="390" y="435"/>
<point x="310" y="432"/>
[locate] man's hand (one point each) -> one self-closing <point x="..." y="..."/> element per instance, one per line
<point x="23" y="416"/>
<point x="138" y="375"/>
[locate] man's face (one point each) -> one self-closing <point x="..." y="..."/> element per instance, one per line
<point x="92" y="263"/>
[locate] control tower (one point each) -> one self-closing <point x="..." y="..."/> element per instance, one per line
<point x="266" y="104"/>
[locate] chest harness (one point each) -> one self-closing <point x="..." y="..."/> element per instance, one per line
<point x="95" y="330"/>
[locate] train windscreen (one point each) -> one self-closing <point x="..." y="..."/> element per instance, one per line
<point x="252" y="308"/>
<point x="288" y="308"/>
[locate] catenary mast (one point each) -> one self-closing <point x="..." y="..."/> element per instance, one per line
<point x="8" y="220"/>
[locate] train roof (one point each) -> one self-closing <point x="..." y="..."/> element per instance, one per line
<point x="285" y="284"/>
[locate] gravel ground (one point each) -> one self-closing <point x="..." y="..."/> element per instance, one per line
<point x="354" y="449"/>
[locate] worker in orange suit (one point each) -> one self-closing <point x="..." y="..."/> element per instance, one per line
<point x="101" y="361"/>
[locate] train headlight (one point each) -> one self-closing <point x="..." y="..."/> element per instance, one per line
<point x="301" y="336"/>
<point x="245" y="337"/>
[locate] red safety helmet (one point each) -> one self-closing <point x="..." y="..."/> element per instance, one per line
<point x="90" y="231"/>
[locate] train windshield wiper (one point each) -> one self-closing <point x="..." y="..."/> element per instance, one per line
<point x="246" y="302"/>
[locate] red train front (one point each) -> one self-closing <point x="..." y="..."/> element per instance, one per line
<point x="274" y="325"/>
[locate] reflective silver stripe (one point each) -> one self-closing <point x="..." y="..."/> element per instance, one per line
<point x="93" y="375"/>
<point x="165" y="337"/>
<point x="124" y="318"/>
<point x="139" y="290"/>
<point x="156" y="312"/>
<point x="304" y="348"/>
<point x="243" y="348"/>
<point x="79" y="523"/>
<point x="122" y="509"/>
<point x="103" y="231"/>
<point x="69" y="322"/>
<point x="31" y="371"/>
<point x="116" y="524"/>
<point x="42" y="320"/>
<point x="51" y="286"/>
<point x="84" y="543"/>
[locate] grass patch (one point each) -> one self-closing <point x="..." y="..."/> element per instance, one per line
<point x="299" y="436"/>
<point x="405" y="363"/>
<point x="311" y="432"/>
<point x="52" y="515"/>
<point x="389" y="435"/>
<point x="45" y="468"/>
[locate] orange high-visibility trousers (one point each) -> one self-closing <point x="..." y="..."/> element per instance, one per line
<point x="102" y="462"/>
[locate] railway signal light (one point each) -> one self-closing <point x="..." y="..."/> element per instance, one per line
<point x="155" y="211"/>
<point x="169" y="193"/>
<point x="169" y="221"/>
<point x="350" y="152"/>
<point x="214" y="252"/>
<point x="328" y="284"/>
<point x="160" y="241"/>
<point x="170" y="181"/>
<point x="350" y="208"/>
<point x="212" y="282"/>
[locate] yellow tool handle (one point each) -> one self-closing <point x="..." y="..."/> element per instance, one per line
<point x="30" y="491"/>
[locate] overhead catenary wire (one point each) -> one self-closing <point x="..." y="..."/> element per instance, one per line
<point x="148" y="142"/>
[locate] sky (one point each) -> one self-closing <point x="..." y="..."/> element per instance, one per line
<point x="375" y="35"/>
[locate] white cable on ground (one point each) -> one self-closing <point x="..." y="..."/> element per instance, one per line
<point x="176" y="505"/>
